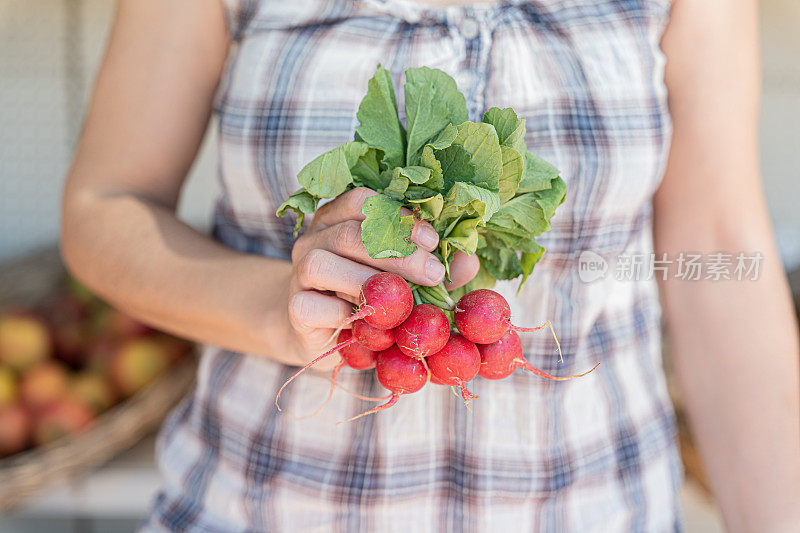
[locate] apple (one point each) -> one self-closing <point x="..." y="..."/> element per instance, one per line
<point x="69" y="320"/>
<point x="93" y="389"/>
<point x="117" y="323"/>
<point x="15" y="429"/>
<point x="69" y="342"/>
<point x="24" y="340"/>
<point x="44" y="383"/>
<point x="137" y="362"/>
<point x="59" y="418"/>
<point x="100" y="352"/>
<point x="176" y="347"/>
<point x="8" y="387"/>
<point x="64" y="307"/>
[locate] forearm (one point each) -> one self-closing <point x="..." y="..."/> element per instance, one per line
<point x="140" y="257"/>
<point x="735" y="349"/>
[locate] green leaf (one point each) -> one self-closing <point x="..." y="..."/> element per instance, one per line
<point x="418" y="175"/>
<point x="476" y="183"/>
<point x="379" y="124"/>
<point x="366" y="172"/>
<point x="509" y="127"/>
<point x="455" y="165"/>
<point x="445" y="138"/>
<point x="302" y="203"/>
<point x="429" y="208"/>
<point x="513" y="165"/>
<point x="464" y="237"/>
<point x="500" y="262"/>
<point x="537" y="175"/>
<point x="549" y="199"/>
<point x="328" y="175"/>
<point x="432" y="103"/>
<point x="528" y="260"/>
<point x="420" y="192"/>
<point x="522" y="211"/>
<point x="474" y="157"/>
<point x="396" y="190"/>
<point x="480" y="141"/>
<point x="428" y="160"/>
<point x="384" y="232"/>
<point x="465" y="199"/>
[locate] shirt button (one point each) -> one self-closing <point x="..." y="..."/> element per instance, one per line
<point x="469" y="28"/>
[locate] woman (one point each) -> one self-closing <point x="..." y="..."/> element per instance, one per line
<point x="601" y="100"/>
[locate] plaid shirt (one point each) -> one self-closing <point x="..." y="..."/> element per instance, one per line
<point x="593" y="454"/>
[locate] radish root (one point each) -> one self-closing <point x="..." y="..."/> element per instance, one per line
<point x="361" y="396"/>
<point x="334" y="385"/>
<point x="387" y="405"/>
<point x="330" y="394"/>
<point x="534" y="330"/>
<point x="466" y="395"/>
<point x="367" y="310"/>
<point x="522" y="363"/>
<point x="336" y="348"/>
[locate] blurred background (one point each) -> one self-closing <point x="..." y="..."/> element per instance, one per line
<point x="49" y="53"/>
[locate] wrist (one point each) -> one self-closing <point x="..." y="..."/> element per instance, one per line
<point x="266" y="322"/>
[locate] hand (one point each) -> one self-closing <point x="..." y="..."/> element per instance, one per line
<point x="329" y="264"/>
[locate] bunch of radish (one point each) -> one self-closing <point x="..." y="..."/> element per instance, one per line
<point x="410" y="345"/>
<point x="483" y="191"/>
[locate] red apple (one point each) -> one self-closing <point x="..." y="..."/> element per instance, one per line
<point x="69" y="342"/>
<point x="136" y="363"/>
<point x="65" y="308"/>
<point x="24" y="340"/>
<point x="8" y="387"/>
<point x="92" y="388"/>
<point x="117" y="323"/>
<point x="15" y="429"/>
<point x="57" y="419"/>
<point x="44" y="383"/>
<point x="70" y="319"/>
<point x="100" y="352"/>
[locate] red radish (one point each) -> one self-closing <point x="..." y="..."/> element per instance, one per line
<point x="424" y="332"/>
<point x="483" y="316"/>
<point x="455" y="364"/>
<point x="386" y="300"/>
<point x="371" y="337"/>
<point x="400" y="374"/>
<point x="501" y="358"/>
<point x="350" y="348"/>
<point x="436" y="381"/>
<point x="353" y="355"/>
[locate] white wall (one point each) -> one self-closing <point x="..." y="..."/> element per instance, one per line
<point x="49" y="51"/>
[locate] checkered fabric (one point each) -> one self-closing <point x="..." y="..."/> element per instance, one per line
<point x="592" y="454"/>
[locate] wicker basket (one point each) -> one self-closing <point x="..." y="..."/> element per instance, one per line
<point x="25" y="282"/>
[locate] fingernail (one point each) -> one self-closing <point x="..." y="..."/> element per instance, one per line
<point x="426" y="237"/>
<point x="434" y="270"/>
